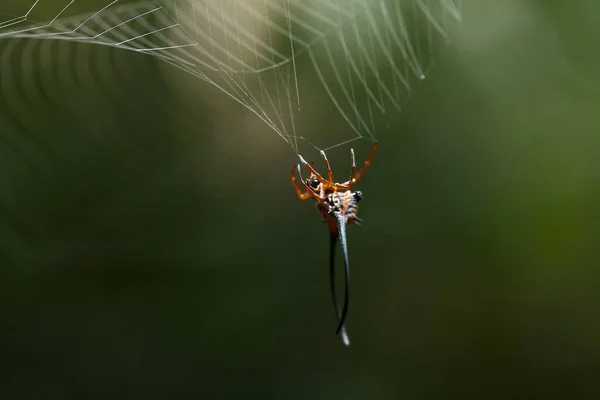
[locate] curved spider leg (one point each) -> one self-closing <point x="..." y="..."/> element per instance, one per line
<point x="310" y="168"/>
<point x="341" y="232"/>
<point x="302" y="196"/>
<point x="329" y="173"/>
<point x="309" y="190"/>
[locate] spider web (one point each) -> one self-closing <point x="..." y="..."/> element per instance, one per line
<point x="367" y="54"/>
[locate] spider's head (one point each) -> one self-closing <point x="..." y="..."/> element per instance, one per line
<point x="313" y="182"/>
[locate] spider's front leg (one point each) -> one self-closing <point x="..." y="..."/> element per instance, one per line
<point x="310" y="192"/>
<point x="302" y="196"/>
<point x="329" y="173"/>
<point x="310" y="168"/>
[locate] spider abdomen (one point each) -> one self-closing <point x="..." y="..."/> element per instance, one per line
<point x="344" y="203"/>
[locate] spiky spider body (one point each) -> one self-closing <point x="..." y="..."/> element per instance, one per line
<point x="335" y="203"/>
<point x="338" y="206"/>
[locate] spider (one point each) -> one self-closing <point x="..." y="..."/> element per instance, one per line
<point x="338" y="206"/>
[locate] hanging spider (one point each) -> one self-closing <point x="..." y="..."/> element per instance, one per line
<point x="338" y="206"/>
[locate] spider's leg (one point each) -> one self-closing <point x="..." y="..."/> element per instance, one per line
<point x="341" y="224"/>
<point x="310" y="168"/>
<point x="333" y="242"/>
<point x="329" y="173"/>
<point x="353" y="170"/>
<point x="302" y="196"/>
<point x="348" y="184"/>
<point x="364" y="168"/>
<point x="309" y="190"/>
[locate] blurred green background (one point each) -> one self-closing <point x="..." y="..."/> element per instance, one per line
<point x="152" y="245"/>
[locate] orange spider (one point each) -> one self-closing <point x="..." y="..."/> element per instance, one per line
<point x="338" y="206"/>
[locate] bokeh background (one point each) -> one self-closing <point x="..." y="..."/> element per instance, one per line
<point x="151" y="244"/>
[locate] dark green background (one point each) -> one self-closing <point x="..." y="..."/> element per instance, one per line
<point x="152" y="245"/>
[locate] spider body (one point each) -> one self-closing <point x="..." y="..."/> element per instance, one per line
<point x="338" y="206"/>
<point x="344" y="203"/>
